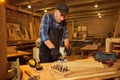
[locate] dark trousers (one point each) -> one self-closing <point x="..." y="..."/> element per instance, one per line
<point x="45" y="55"/>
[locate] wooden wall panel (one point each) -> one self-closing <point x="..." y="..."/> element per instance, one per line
<point x="37" y="26"/>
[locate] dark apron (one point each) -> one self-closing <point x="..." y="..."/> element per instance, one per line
<point x="55" y="35"/>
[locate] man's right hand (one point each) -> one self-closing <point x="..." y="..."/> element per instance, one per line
<point x="55" y="53"/>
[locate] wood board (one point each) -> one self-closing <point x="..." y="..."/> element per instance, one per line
<point x="83" y="74"/>
<point x="78" y="73"/>
<point x="82" y="70"/>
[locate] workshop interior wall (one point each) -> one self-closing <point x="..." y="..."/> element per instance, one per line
<point x="98" y="26"/>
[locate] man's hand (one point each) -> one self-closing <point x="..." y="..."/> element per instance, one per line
<point x="55" y="53"/>
<point x="68" y="51"/>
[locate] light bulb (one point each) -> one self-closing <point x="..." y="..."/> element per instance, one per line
<point x="45" y="10"/>
<point x="96" y="6"/>
<point x="29" y="6"/>
<point x="100" y="16"/>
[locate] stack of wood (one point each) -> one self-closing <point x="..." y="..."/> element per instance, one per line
<point x="28" y="31"/>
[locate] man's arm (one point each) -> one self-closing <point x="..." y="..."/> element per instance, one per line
<point x="66" y="43"/>
<point x="49" y="44"/>
<point x="45" y="24"/>
<point x="44" y="32"/>
<point x="67" y="49"/>
<point x="65" y="37"/>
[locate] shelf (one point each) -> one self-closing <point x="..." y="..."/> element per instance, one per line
<point x="78" y="32"/>
<point x="116" y="47"/>
<point x="20" y="42"/>
<point x="23" y="45"/>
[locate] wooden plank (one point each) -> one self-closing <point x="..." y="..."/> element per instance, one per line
<point x="44" y="74"/>
<point x="26" y="35"/>
<point x="85" y="73"/>
<point x="87" y="76"/>
<point x="117" y="27"/>
<point x="18" y="53"/>
<point x="77" y="73"/>
<point x="22" y="10"/>
<point x="34" y="28"/>
<point x="31" y="30"/>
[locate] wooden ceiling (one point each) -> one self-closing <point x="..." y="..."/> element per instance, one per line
<point x="78" y="8"/>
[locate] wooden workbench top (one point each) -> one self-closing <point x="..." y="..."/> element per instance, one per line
<point x="86" y="69"/>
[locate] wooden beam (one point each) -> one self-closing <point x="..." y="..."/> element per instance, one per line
<point x="22" y="10"/>
<point x="52" y="5"/>
<point x="107" y="11"/>
<point x="91" y="8"/>
<point x="27" y="2"/>
<point x="117" y="27"/>
<point x="91" y="15"/>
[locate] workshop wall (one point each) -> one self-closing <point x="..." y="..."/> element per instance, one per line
<point x="30" y="25"/>
<point x="98" y="26"/>
<point x="21" y="26"/>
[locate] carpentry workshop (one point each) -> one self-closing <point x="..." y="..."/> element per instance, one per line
<point x="59" y="39"/>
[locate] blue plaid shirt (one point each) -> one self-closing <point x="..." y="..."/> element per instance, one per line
<point x="44" y="27"/>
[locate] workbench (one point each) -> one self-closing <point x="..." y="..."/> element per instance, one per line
<point x="91" y="48"/>
<point x="85" y="69"/>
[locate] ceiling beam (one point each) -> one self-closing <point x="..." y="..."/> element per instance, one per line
<point x="77" y="7"/>
<point x="27" y="2"/>
<point x="22" y="10"/>
<point x="86" y="16"/>
<point x="89" y="6"/>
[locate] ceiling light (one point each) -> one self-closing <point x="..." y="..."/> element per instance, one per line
<point x="45" y="10"/>
<point x="29" y="6"/>
<point x="96" y="6"/>
<point x="100" y="16"/>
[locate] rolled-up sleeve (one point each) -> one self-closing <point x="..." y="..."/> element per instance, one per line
<point x="44" y="28"/>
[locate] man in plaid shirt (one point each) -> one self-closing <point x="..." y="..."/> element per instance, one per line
<point x="52" y="31"/>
